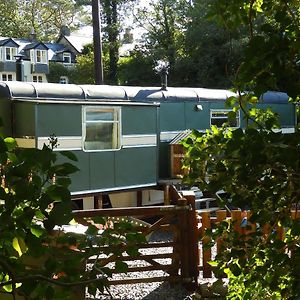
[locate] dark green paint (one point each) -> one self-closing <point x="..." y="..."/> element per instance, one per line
<point x="24" y="119"/>
<point x="139" y="120"/>
<point x="136" y="166"/>
<point x="59" y="119"/>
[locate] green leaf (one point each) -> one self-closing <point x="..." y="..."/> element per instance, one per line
<point x="61" y="214"/>
<point x="19" y="245"/>
<point x="63" y="169"/>
<point x="121" y="266"/>
<point x="235" y="269"/>
<point x="37" y="230"/>
<point x="3" y="146"/>
<point x="70" y="155"/>
<point x="213" y="263"/>
<point x="11" y="143"/>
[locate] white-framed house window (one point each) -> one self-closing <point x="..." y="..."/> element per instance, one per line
<point x="101" y="128"/>
<point x="38" y="56"/>
<point x="37" y="78"/>
<point x="10" y="53"/>
<point x="7" y="77"/>
<point x="41" y="56"/>
<point x="67" y="59"/>
<point x="220" y="116"/>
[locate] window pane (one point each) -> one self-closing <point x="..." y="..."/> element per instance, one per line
<point x="218" y="118"/>
<point x="101" y="128"/>
<point x="100" y="116"/>
<point x="99" y="136"/>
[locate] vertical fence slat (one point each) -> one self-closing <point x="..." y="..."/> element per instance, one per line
<point x="221" y="216"/>
<point x="193" y="239"/>
<point x="206" y="223"/>
<point x="236" y="216"/>
<point x="184" y="240"/>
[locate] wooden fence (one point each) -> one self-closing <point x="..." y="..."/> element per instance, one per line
<point x="176" y="219"/>
<point x="206" y="218"/>
<point x="186" y="252"/>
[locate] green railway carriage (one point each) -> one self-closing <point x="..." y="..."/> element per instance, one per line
<point x="120" y="135"/>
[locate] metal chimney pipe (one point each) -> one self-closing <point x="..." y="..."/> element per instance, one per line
<point x="19" y="68"/>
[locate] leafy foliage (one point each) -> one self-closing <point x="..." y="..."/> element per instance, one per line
<point x="38" y="257"/>
<point x="19" y="17"/>
<point x="258" y="167"/>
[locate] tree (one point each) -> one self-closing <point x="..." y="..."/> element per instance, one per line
<point x="19" y="17"/>
<point x="113" y="12"/>
<point x="257" y="167"/>
<point x="164" y="22"/>
<point x="213" y="52"/>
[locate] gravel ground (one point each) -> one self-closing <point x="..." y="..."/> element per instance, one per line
<point x="155" y="290"/>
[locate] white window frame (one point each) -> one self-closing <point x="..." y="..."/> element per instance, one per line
<point x="37" y="78"/>
<point x="223" y="116"/>
<point x="11" y="52"/>
<point x="99" y="146"/>
<point x="41" y="56"/>
<point x="67" y="58"/>
<point x="7" y="77"/>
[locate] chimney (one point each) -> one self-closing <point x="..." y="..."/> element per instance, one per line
<point x="65" y="30"/>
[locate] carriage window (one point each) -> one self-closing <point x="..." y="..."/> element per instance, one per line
<point x="101" y="128"/>
<point x="220" y="116"/>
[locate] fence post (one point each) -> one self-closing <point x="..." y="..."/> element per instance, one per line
<point x="184" y="240"/>
<point x="206" y="223"/>
<point x="193" y="256"/>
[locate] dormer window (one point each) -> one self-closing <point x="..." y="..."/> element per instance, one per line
<point x="67" y="58"/>
<point x="38" y="56"/>
<point x="10" y="53"/>
<point x="41" y="56"/>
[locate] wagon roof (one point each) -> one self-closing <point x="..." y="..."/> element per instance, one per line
<point x="24" y="90"/>
<point x="55" y="92"/>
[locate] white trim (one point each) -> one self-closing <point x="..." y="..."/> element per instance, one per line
<point x="285" y="130"/>
<point x="63" y="142"/>
<point x="114" y="189"/>
<point x="139" y="140"/>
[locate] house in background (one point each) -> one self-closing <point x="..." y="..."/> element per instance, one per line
<point x="34" y="56"/>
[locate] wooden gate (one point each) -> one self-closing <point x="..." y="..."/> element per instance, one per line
<point x="181" y="250"/>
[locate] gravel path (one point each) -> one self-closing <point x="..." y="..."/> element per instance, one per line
<point x="149" y="291"/>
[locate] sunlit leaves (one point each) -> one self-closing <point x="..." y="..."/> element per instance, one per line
<point x="19" y="245"/>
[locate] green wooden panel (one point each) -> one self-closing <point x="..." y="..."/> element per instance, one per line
<point x="164" y="160"/>
<point x="80" y="179"/>
<point x="197" y="119"/>
<point x="286" y="112"/>
<point x="136" y="166"/>
<point x="172" y="116"/>
<point x="59" y="119"/>
<point x="102" y="169"/>
<point x="139" y="120"/>
<point x="25" y="119"/>
<point x="5" y="116"/>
